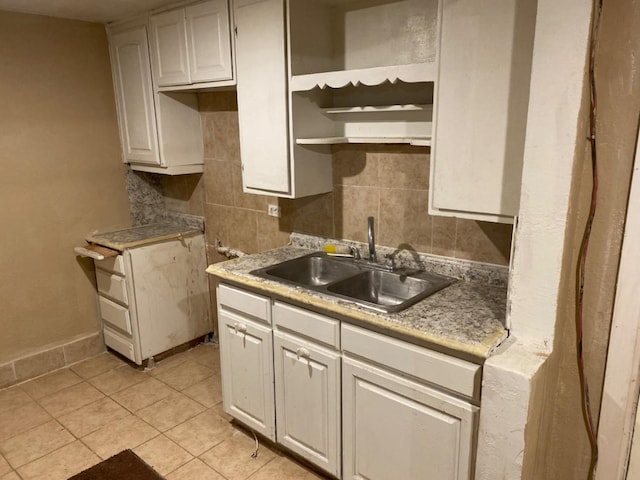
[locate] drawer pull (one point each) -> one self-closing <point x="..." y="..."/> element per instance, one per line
<point x="303" y="352"/>
<point x="239" y="327"/>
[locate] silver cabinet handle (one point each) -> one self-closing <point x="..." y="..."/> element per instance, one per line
<point x="303" y="352"/>
<point x="239" y="327"/>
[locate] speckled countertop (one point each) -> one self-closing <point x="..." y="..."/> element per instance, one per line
<point x="137" y="236"/>
<point x="465" y="318"/>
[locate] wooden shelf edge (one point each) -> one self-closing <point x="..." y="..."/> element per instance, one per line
<point x="416" y="141"/>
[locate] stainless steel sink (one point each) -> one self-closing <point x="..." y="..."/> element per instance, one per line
<point x="363" y="283"/>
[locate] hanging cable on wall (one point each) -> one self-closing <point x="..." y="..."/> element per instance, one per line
<point x="584" y="246"/>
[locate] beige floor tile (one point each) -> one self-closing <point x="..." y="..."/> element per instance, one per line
<point x="61" y="464"/>
<point x="142" y="394"/>
<point x="128" y="432"/>
<point x="10" y="476"/>
<point x="219" y="409"/>
<point x="283" y="468"/>
<point x="200" y="433"/>
<point x="184" y="375"/>
<point x="91" y="417"/>
<point x="35" y="443"/>
<point x="50" y="383"/>
<point x="4" y="466"/>
<point x="118" y="379"/>
<point x="170" y="411"/>
<point x="11" y="398"/>
<point x="22" y="419"/>
<point x="70" y="399"/>
<point x="208" y="392"/>
<point x="163" y="454"/>
<point x="232" y="458"/>
<point x="169" y="363"/>
<point x="195" y="470"/>
<point x="95" y="366"/>
<point x="208" y="354"/>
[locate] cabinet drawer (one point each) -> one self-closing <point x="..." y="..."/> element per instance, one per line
<point x="115" y="315"/>
<point x="112" y="264"/>
<point x="248" y="303"/>
<point x="120" y="344"/>
<point x="436" y="368"/>
<point x="318" y="327"/>
<point x="113" y="286"/>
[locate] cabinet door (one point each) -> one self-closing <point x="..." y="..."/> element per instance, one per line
<point x="169" y="48"/>
<point x="134" y="94"/>
<point x="307" y="379"/>
<point x="246" y="364"/>
<point x="481" y="103"/>
<point x="397" y="428"/>
<point x="208" y="41"/>
<point x="262" y="94"/>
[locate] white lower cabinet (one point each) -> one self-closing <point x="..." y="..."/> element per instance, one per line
<point x="357" y="404"/>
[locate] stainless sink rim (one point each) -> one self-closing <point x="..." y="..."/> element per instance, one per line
<point x="363" y="267"/>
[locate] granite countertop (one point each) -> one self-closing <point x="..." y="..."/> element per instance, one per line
<point x="465" y="318"/>
<point x="137" y="236"/>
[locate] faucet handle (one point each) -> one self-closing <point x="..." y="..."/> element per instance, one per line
<point x="355" y="252"/>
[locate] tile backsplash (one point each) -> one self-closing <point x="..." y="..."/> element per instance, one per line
<point x="390" y="182"/>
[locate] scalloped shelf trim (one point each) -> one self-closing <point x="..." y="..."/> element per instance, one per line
<point x="412" y="73"/>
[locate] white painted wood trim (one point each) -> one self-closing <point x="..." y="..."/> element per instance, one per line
<point x="622" y="376"/>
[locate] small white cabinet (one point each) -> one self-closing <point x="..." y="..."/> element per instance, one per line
<point x="160" y="132"/>
<point x="246" y="359"/>
<point x="191" y="46"/>
<point x="482" y="95"/>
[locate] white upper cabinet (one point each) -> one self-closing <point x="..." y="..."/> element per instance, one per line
<point x="482" y="94"/>
<point x="191" y="46"/>
<point x="134" y="95"/>
<point x="160" y="131"/>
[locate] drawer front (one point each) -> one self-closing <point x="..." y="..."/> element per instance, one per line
<point x="318" y="327"/>
<point x="113" y="286"/>
<point x="256" y="306"/>
<point x="115" y="315"/>
<point x="112" y="264"/>
<point x="120" y="344"/>
<point x="437" y="368"/>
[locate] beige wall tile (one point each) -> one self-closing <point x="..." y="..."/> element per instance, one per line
<point x="218" y="182"/>
<point x="35" y="443"/>
<point x="185" y="375"/>
<point x="232" y="457"/>
<point x="245" y="200"/>
<point x="195" y="469"/>
<point x="352" y="206"/>
<point x="243" y="230"/>
<point x="22" y="419"/>
<point x="194" y="185"/>
<point x="402" y="167"/>
<point x="142" y="394"/>
<point x="84" y="348"/>
<point x="201" y="433"/>
<point x="99" y="364"/>
<point x="354" y="165"/>
<point x="39" y="363"/>
<point x="12" y="398"/>
<point x="312" y="215"/>
<point x="443" y="236"/>
<point x="125" y="433"/>
<point x="218" y="102"/>
<point x="170" y="411"/>
<point x="50" y="383"/>
<point x="118" y="379"/>
<point x="91" y="417"/>
<point x="483" y="241"/>
<point x="404" y="222"/>
<point x="208" y="392"/>
<point x="217" y="220"/>
<point x="61" y="464"/>
<point x="163" y="454"/>
<point x="7" y="375"/>
<point x="226" y="136"/>
<point x="70" y="399"/>
<point x="273" y="232"/>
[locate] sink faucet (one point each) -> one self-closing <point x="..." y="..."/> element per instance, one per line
<point x="372" y="241"/>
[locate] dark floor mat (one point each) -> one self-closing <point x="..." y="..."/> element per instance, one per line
<point x="126" y="465"/>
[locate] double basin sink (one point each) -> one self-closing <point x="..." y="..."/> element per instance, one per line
<point x="369" y="285"/>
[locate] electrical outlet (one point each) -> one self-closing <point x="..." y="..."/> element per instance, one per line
<point x="274" y="210"/>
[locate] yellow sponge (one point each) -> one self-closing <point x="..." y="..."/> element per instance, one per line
<point x="339" y="249"/>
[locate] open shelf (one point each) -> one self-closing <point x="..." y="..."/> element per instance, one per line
<point x="417" y="141"/>
<point x="417" y="72"/>
<point x="377" y="109"/>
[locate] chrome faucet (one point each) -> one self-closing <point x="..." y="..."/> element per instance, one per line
<point x="372" y="241"/>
